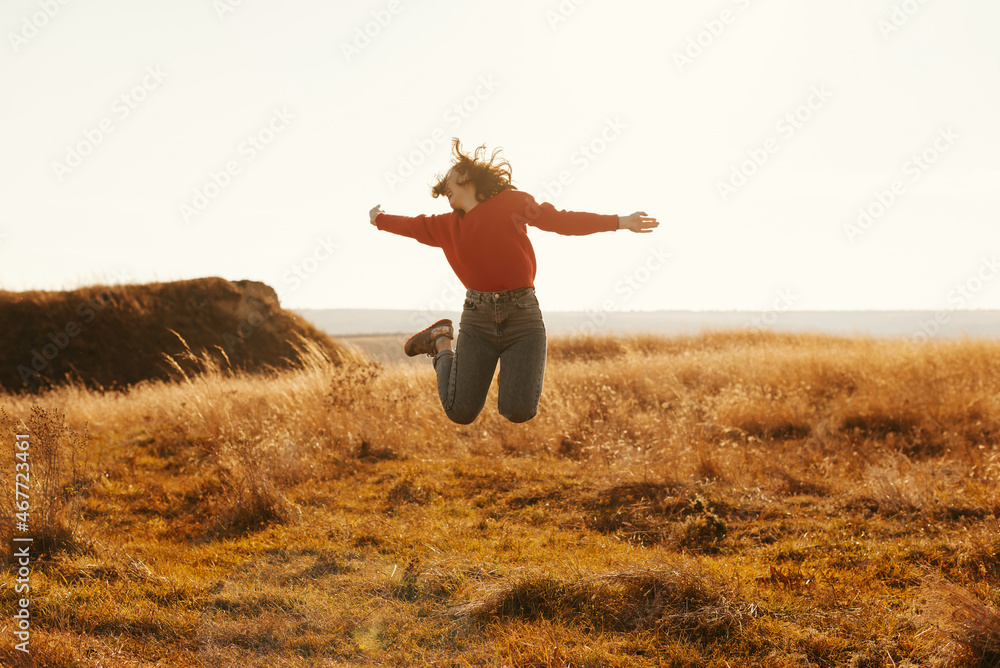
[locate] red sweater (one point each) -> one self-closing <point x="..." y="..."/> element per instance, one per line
<point x="488" y="247"/>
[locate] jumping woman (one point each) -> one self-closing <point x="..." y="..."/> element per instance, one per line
<point x="485" y="241"/>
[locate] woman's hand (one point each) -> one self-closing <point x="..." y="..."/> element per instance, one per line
<point x="373" y="214"/>
<point x="637" y="222"/>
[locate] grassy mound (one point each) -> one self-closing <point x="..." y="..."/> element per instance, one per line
<point x="115" y="336"/>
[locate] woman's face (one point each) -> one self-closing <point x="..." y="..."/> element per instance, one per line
<point x="461" y="197"/>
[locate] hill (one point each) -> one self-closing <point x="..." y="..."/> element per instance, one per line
<point x="115" y="336"/>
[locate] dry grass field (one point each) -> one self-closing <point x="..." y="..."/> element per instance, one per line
<point x="725" y="500"/>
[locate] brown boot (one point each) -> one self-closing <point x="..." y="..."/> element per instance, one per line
<point x="425" y="342"/>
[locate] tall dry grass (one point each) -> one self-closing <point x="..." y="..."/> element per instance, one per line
<point x="907" y="426"/>
<point x="780" y="474"/>
<point x="250" y="435"/>
<point x="53" y="470"/>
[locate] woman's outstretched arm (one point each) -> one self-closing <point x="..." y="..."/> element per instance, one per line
<point x="546" y="217"/>
<point x="425" y="229"/>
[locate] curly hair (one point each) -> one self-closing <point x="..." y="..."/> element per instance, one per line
<point x="489" y="177"/>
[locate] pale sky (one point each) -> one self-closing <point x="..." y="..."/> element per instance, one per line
<point x="247" y="139"/>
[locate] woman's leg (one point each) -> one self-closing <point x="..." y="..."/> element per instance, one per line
<point x="522" y="359"/>
<point x="464" y="375"/>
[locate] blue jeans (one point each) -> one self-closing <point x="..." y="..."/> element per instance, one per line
<point x="495" y="326"/>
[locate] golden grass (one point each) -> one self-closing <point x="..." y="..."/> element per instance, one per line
<point x="730" y="499"/>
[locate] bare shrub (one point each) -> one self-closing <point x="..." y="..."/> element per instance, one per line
<point x="892" y="489"/>
<point x="682" y="598"/>
<point x="53" y="467"/>
<point x="899" y="485"/>
<point x="965" y="631"/>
